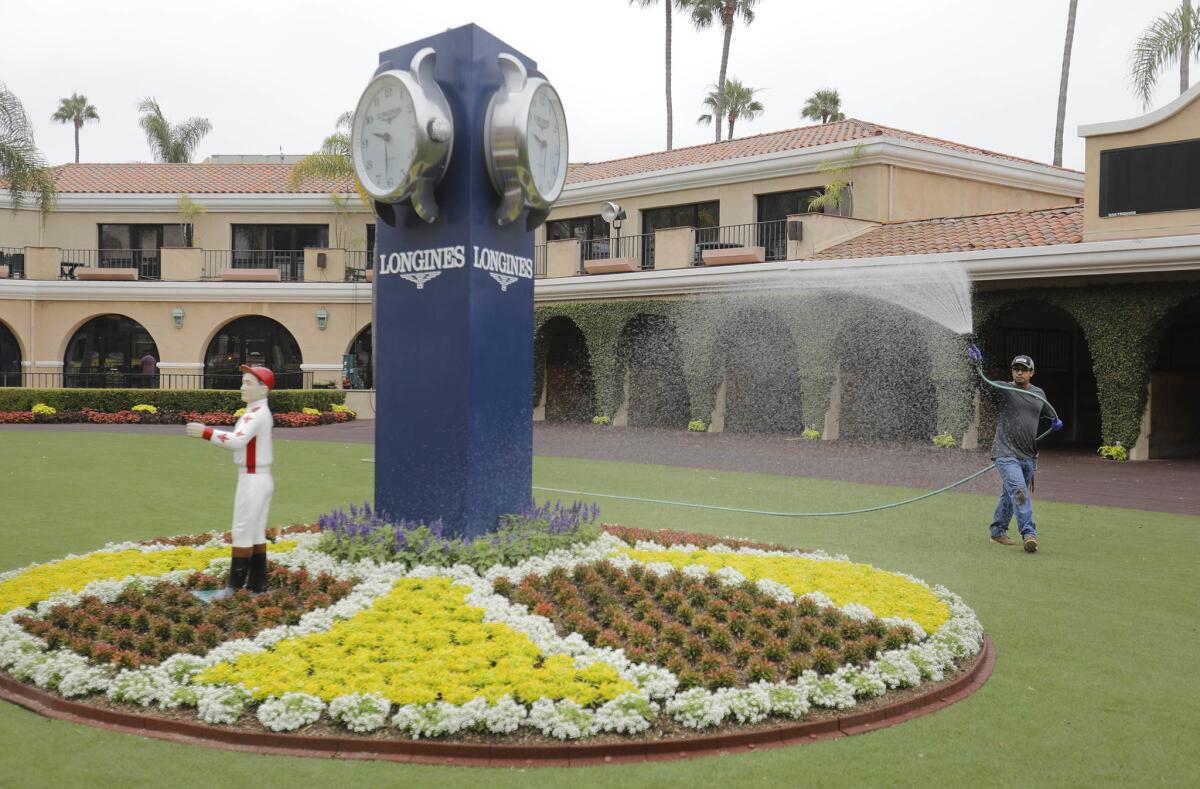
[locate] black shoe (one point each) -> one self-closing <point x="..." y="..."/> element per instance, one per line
<point x="258" y="573"/>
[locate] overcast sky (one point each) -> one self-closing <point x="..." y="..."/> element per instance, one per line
<point x="274" y="75"/>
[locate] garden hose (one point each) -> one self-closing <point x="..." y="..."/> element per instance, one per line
<point x="860" y="511"/>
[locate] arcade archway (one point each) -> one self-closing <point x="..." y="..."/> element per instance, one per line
<point x="652" y="355"/>
<point x="1064" y="364"/>
<point x="570" y="391"/>
<point x="363" y="374"/>
<point x="885" y="373"/>
<point x="10" y="358"/>
<point x="762" y="383"/>
<point x="111" y="352"/>
<point x="1174" y="381"/>
<point x="254" y="340"/>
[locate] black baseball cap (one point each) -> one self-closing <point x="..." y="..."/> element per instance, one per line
<point x="1023" y="361"/>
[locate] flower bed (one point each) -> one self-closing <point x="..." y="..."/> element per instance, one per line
<point x="597" y="636"/>
<point x="134" y="417"/>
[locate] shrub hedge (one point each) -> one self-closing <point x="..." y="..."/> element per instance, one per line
<point x="113" y="400"/>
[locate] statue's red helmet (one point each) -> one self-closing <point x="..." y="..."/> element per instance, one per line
<point x="262" y="374"/>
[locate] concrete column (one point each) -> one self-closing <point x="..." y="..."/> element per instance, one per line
<point x="674" y="247"/>
<point x="562" y="258"/>
<point x="181" y="264"/>
<point x="42" y="262"/>
<point x="539" y="411"/>
<point x="181" y="375"/>
<point x="971" y="436"/>
<point x="334" y="270"/>
<point x="324" y="372"/>
<point x="45" y="374"/>
<point x="621" y="417"/>
<point x="833" y="416"/>
<point x="716" y="423"/>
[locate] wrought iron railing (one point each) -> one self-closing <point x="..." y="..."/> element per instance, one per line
<point x="289" y="262"/>
<point x="618" y="247"/>
<point x="147" y="261"/>
<point x="358" y="263"/>
<point x="539" y="261"/>
<point x="772" y="236"/>
<point x="14" y="258"/>
<point x="117" y="379"/>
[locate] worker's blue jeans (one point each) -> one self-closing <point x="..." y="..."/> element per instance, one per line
<point x="1017" y="476"/>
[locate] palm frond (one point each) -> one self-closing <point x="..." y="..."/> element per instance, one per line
<point x="1157" y="47"/>
<point x="22" y="165"/>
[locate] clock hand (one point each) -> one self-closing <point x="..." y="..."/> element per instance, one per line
<point x="385" y="136"/>
<point x="540" y="141"/>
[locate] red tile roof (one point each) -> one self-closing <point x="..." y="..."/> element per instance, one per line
<point x="148" y="178"/>
<point x="1010" y="229"/>
<point x="772" y="142"/>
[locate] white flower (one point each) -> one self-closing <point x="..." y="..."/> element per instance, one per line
<point x="360" y="712"/>
<point x="697" y="708"/>
<point x="290" y="711"/>
<point x="628" y="713"/>
<point x="504" y="716"/>
<point x="223" y="704"/>
<point x="564" y="719"/>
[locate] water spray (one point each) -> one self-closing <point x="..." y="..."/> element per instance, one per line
<point x="976" y="357"/>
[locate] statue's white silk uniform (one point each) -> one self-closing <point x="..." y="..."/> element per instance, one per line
<point x="250" y="442"/>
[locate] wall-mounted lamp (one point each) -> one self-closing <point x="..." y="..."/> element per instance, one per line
<point x="177" y="316"/>
<point x="322" y="318"/>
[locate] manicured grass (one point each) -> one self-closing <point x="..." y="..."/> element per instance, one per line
<point x="1097" y="636"/>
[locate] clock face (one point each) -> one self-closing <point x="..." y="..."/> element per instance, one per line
<point x="547" y="141"/>
<point x="385" y="137"/>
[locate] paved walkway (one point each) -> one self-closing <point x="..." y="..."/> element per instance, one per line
<point x="1076" y="476"/>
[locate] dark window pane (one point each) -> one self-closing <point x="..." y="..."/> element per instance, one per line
<point x="1150" y="178"/>
<point x="114" y="237"/>
<point x="173" y="235"/>
<point x="708" y="214"/>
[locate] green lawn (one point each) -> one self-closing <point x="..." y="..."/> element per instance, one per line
<point x="1097" y="635"/>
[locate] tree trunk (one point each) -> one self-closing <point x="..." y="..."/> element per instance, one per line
<point x="727" y="19"/>
<point x="670" y="111"/>
<point x="732" y="118"/>
<point x="1062" y="85"/>
<point x="77" y="125"/>
<point x="1185" y="46"/>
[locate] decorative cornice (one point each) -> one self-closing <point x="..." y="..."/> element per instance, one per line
<point x="1142" y="121"/>
<point x="124" y="202"/>
<point x="1096" y="258"/>
<point x="875" y="150"/>
<point x="275" y="292"/>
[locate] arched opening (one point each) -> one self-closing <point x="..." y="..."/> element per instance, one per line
<point x="762" y="382"/>
<point x="653" y="359"/>
<point x="254" y="340"/>
<point x="885" y="374"/>
<point x="362" y="374"/>
<point x="111" y="352"/>
<point x="10" y="358"/>
<point x="570" y="392"/>
<point x="1174" y="380"/>
<point x="1063" y="365"/>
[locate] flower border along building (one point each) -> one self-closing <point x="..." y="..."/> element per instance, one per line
<point x="1106" y="303"/>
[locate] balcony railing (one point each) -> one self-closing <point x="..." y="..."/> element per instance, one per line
<point x="358" y="263"/>
<point x="539" y="261"/>
<point x="116" y="379"/>
<point x="639" y="247"/>
<point x="14" y="258"/>
<point x="289" y="262"/>
<point x="146" y="261"/>
<point x="771" y="236"/>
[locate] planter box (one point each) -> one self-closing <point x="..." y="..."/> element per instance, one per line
<point x="724" y="257"/>
<point x="250" y="275"/>
<point x="106" y="273"/>
<point x="610" y="265"/>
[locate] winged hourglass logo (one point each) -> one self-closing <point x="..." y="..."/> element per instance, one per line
<point x="421" y="278"/>
<point x="504" y="279"/>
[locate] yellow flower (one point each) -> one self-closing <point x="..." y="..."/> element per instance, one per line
<point x="420" y="643"/>
<point x="886" y="594"/>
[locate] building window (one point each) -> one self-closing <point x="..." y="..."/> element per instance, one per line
<point x="1150" y="178"/>
<point x="277" y="246"/>
<point x="782" y="204"/>
<point x="253" y="340"/>
<point x="585" y="228"/>
<point x="113" y="352"/>
<point x="697" y="215"/>
<point x="137" y="246"/>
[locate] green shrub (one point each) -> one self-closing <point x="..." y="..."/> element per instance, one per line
<point x="42" y="408"/>
<point x="203" y="400"/>
<point x="601" y="420"/>
<point x="1114" y="452"/>
<point x="697" y="426"/>
<point x="944" y="441"/>
<point x="811" y="434"/>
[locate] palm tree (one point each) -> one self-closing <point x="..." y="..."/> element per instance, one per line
<point x="22" y="165"/>
<point x="667" y="6"/>
<point x="334" y="160"/>
<point x="176" y="143"/>
<point x="1174" y="35"/>
<point x="77" y="112"/>
<point x="703" y="14"/>
<point x="739" y="103"/>
<point x="824" y="106"/>
<point x="1062" y="85"/>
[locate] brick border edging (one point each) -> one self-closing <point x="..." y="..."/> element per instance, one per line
<point x="469" y="754"/>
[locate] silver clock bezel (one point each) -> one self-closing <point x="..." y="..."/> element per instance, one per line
<point x="506" y="143"/>
<point x="435" y="135"/>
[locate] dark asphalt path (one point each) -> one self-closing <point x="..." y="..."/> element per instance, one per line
<point x="1076" y="476"/>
